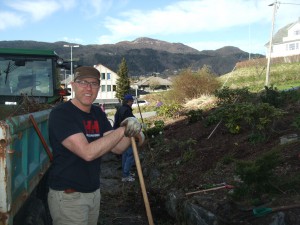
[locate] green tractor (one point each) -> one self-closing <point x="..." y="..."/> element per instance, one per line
<point x="30" y="76"/>
<point x="31" y="73"/>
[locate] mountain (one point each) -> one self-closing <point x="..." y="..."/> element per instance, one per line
<point x="143" y="42"/>
<point x="144" y="56"/>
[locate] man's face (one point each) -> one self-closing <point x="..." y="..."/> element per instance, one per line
<point x="86" y="90"/>
<point x="130" y="102"/>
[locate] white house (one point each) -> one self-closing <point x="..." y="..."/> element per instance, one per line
<point x="107" y="91"/>
<point x="286" y="42"/>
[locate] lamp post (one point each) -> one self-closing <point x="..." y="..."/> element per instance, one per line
<point x="71" y="46"/>
<point x="136" y="88"/>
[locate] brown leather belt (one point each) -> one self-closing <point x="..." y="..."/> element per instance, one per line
<point x="69" y="191"/>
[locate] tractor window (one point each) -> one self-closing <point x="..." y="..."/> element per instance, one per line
<point x="26" y="76"/>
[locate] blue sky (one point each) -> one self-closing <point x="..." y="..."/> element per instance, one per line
<point x="201" y="24"/>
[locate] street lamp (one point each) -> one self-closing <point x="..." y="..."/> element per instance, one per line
<point x="71" y="46"/>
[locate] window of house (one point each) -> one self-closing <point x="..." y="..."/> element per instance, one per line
<point x="102" y="76"/>
<point x="103" y="88"/>
<point x="108" y="88"/>
<point x="292" y="46"/>
<point x="108" y="76"/>
<point x="297" y="32"/>
<point x="114" y="87"/>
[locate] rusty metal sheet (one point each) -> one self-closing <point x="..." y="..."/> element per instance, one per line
<point x="4" y="178"/>
<point x="23" y="161"/>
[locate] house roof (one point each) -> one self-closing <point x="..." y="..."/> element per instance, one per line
<point x="154" y="80"/>
<point x="281" y="33"/>
<point x="100" y="66"/>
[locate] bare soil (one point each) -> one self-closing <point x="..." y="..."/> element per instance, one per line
<point x="206" y="167"/>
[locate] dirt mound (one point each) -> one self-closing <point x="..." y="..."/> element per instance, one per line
<point x="192" y="156"/>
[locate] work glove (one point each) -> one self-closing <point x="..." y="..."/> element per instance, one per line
<point x="133" y="126"/>
<point x="140" y="138"/>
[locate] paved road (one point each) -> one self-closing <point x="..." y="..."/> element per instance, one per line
<point x="145" y="114"/>
<point x="137" y="115"/>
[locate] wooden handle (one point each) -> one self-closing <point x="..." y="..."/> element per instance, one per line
<point x="142" y="183"/>
<point x="210" y="189"/>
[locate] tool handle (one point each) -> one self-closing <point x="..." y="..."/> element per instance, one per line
<point x="142" y="183"/>
<point x="210" y="189"/>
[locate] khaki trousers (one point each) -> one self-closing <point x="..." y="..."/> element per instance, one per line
<point x="74" y="208"/>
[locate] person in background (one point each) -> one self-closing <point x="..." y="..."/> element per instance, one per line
<point x="123" y="112"/>
<point x="79" y="134"/>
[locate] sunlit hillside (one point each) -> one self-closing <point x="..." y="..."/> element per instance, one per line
<point x="253" y="75"/>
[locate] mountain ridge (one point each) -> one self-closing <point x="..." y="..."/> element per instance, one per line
<point x="144" y="56"/>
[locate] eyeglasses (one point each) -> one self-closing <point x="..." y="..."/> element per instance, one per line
<point x="84" y="84"/>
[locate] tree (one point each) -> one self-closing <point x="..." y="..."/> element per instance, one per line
<point x="123" y="82"/>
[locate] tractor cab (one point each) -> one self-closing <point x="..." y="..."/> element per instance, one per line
<point x="31" y="73"/>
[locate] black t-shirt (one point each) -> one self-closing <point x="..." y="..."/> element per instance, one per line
<point x="122" y="113"/>
<point x="69" y="170"/>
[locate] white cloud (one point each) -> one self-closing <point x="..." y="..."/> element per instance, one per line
<point x="186" y="17"/>
<point x="38" y="10"/>
<point x="94" y="8"/>
<point x="106" y="39"/>
<point x="203" y="17"/>
<point x="72" y="40"/>
<point x="8" y="19"/>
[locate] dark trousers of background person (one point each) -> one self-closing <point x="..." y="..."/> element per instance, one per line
<point x="127" y="162"/>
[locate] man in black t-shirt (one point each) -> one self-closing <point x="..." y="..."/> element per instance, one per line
<point x="79" y="135"/>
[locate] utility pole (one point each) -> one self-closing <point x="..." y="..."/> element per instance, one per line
<point x="270" y="44"/>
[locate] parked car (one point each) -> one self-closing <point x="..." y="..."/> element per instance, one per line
<point x="140" y="103"/>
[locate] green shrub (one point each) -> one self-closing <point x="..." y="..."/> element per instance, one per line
<point x="271" y="96"/>
<point x="169" y="110"/>
<point x="194" y="115"/>
<point x="187" y="147"/>
<point x="290" y="182"/>
<point x="188" y="155"/>
<point x="256" y="117"/>
<point x="257" y="176"/>
<point x="227" y="159"/>
<point x="230" y="96"/>
<point x="156" y="129"/>
<point x="296" y="123"/>
<point x="290" y="96"/>
<point x="255" y="138"/>
<point x="212" y="119"/>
